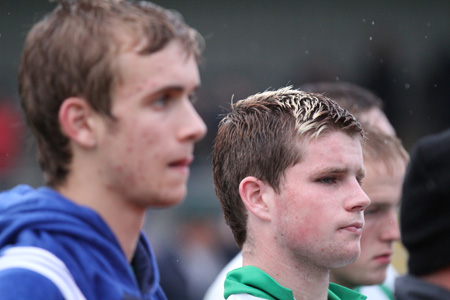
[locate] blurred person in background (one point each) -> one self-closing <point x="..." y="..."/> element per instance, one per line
<point x="107" y="90"/>
<point x="385" y="162"/>
<point x="361" y="102"/>
<point x="189" y="263"/>
<point x="425" y="221"/>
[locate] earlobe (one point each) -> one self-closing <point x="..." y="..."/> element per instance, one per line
<point x="254" y="194"/>
<point x="75" y="120"/>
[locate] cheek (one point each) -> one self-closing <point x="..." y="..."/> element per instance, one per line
<point x="368" y="236"/>
<point x="300" y="222"/>
<point x="139" y="135"/>
<point x="142" y="144"/>
<point x="148" y="137"/>
<point x="150" y="145"/>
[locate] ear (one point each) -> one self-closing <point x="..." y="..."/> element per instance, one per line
<point x="254" y="194"/>
<point x="75" y="117"/>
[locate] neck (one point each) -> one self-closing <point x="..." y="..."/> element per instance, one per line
<point x="306" y="282"/>
<point x="334" y="277"/>
<point x="440" y="278"/>
<point x="124" y="219"/>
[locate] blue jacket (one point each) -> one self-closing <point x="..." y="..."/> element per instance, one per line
<point x="50" y="246"/>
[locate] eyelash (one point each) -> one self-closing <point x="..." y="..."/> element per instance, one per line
<point x="368" y="212"/>
<point x="168" y="97"/>
<point x="334" y="179"/>
<point x="326" y="180"/>
<point x="193" y="98"/>
<point x="161" y="101"/>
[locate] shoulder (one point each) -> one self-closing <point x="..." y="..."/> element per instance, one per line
<point x="36" y="265"/>
<point x="215" y="291"/>
<point x="22" y="284"/>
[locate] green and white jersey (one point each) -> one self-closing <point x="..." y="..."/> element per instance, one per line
<point x="384" y="291"/>
<point x="243" y="297"/>
<point x="251" y="283"/>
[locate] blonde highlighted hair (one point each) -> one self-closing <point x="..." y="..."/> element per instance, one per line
<point x="261" y="136"/>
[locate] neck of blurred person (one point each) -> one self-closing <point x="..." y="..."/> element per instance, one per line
<point x="440" y="278"/>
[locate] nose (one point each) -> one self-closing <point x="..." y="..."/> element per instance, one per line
<point x="358" y="201"/>
<point x="391" y="230"/>
<point x="192" y="128"/>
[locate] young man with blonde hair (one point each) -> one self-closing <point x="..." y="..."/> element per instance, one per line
<point x="385" y="162"/>
<point x="382" y="182"/>
<point x="287" y="170"/>
<point x="106" y="87"/>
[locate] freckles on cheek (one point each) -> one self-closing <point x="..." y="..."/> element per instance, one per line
<point x="305" y="234"/>
<point x="298" y="227"/>
<point x="308" y="228"/>
<point x="149" y="137"/>
<point x="130" y="149"/>
<point x="149" y="168"/>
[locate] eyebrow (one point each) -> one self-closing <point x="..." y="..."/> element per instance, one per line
<point x="176" y="88"/>
<point x="336" y="170"/>
<point x="169" y="89"/>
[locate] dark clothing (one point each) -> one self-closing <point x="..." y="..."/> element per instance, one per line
<point x="425" y="209"/>
<point x="410" y="287"/>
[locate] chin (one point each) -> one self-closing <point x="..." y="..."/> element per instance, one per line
<point x="171" y="199"/>
<point x="377" y="279"/>
<point x="365" y="276"/>
<point x="345" y="259"/>
<point x="368" y="281"/>
<point x="175" y="202"/>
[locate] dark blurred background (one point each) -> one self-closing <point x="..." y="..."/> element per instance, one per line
<point x="398" y="49"/>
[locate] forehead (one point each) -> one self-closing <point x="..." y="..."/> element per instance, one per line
<point x="171" y="58"/>
<point x="383" y="186"/>
<point x="171" y="66"/>
<point x="379" y="169"/>
<point x="333" y="148"/>
<point x="377" y="118"/>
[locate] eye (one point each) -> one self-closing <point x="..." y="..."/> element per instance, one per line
<point x="193" y="98"/>
<point x="161" y="101"/>
<point x="370" y="211"/>
<point x="328" y="180"/>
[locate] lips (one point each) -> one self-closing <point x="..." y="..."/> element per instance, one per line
<point x="384" y="258"/>
<point x="183" y="162"/>
<point x="355" y="227"/>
